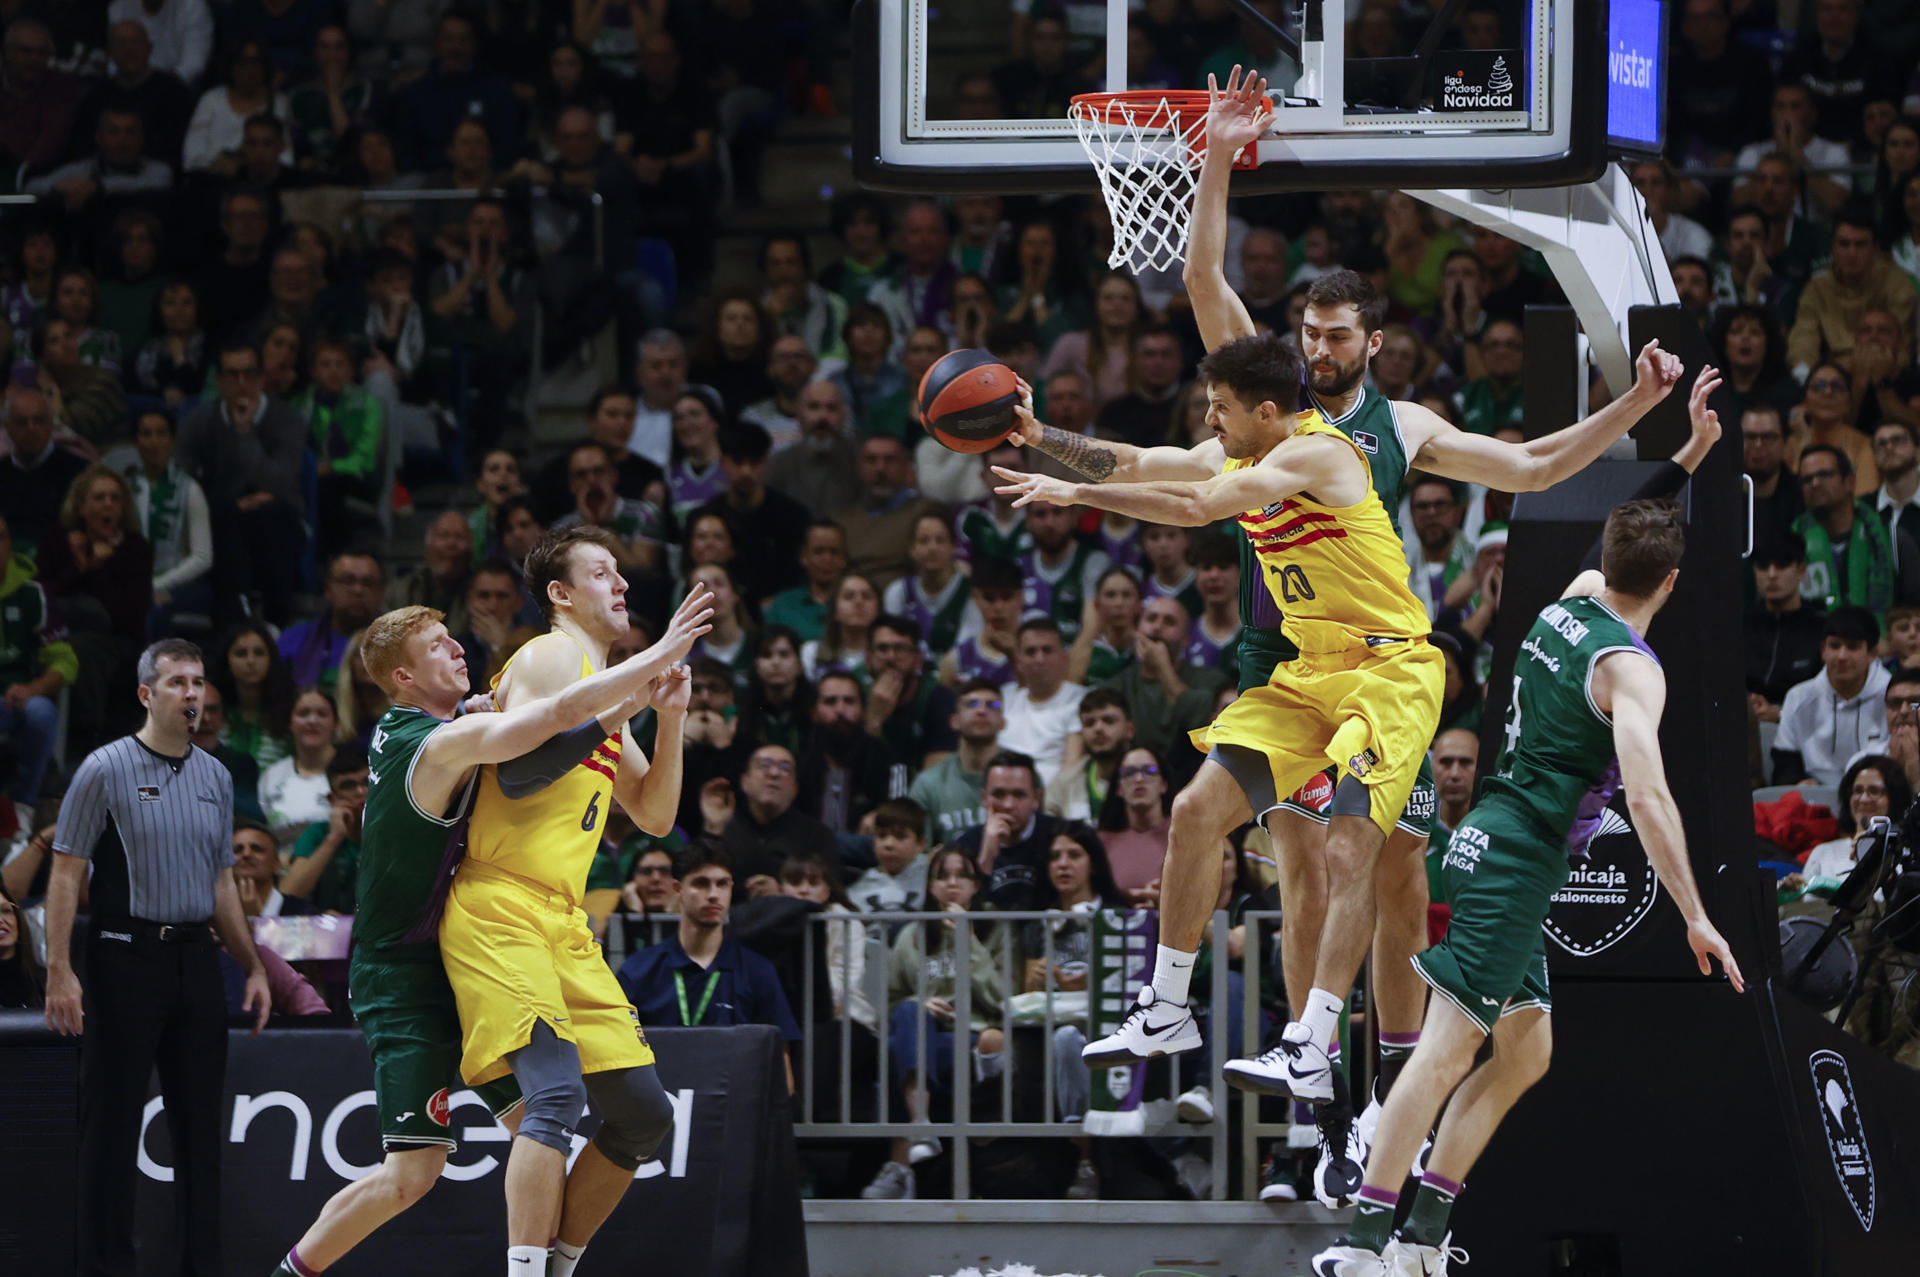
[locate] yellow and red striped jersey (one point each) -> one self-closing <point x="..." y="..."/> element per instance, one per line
<point x="549" y="837"/>
<point x="1337" y="573"/>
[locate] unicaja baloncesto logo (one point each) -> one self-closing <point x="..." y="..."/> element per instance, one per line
<point x="1608" y="893"/>
<point x="1846" y="1132"/>
<point x="1478" y="81"/>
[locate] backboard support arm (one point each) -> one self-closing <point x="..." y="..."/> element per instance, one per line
<point x="1599" y="243"/>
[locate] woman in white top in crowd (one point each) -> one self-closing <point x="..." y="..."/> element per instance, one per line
<point x="173" y="513"/>
<point x="220" y="119"/>
<point x="293" y="792"/>
<point x="1873" y="786"/>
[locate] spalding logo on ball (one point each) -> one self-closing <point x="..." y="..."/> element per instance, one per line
<point x="967" y="400"/>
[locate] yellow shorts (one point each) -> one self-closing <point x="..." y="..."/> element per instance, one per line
<point x="1371" y="712"/>
<point x="517" y="952"/>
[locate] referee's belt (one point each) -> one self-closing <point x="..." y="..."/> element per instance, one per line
<point x="164" y="932"/>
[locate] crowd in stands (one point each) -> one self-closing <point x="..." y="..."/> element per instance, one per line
<point x="227" y="327"/>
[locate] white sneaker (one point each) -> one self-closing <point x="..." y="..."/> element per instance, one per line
<point x="894" y="1182"/>
<point x="1342" y="1166"/>
<point x="922" y="1151"/>
<point x="1195" y="1106"/>
<point x="1366" y="1126"/>
<point x="1152" y="1028"/>
<point x="1342" y="1260"/>
<point x="1295" y="1066"/>
<point x="1420" y="1161"/>
<point x="1405" y="1259"/>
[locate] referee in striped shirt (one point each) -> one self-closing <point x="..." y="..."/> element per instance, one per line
<point x="148" y="821"/>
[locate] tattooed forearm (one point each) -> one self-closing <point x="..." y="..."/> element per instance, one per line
<point x="1092" y="457"/>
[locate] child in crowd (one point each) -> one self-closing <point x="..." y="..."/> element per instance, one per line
<point x="900" y="847"/>
<point x="1903" y="638"/>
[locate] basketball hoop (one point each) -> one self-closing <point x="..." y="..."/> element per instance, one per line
<point x="1146" y="146"/>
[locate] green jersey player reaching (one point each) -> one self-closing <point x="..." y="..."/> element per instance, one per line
<point x="1337" y="881"/>
<point x="422" y="764"/>
<point x="1583" y="722"/>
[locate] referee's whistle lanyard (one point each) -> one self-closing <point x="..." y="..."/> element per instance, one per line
<point x="680" y="990"/>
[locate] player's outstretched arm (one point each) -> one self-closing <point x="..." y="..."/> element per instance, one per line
<point x="1440" y="448"/>
<point x="1636" y="690"/>
<point x="495" y="738"/>
<point x="1314" y="462"/>
<point x="1108" y="461"/>
<point x="1234" y="119"/>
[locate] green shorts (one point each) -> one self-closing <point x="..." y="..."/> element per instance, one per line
<point x="1313" y="798"/>
<point x="406" y="1013"/>
<point x="1499" y="877"/>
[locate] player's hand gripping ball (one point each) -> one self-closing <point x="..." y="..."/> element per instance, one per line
<point x="967" y="400"/>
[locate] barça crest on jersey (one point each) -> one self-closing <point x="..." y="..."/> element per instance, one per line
<point x="1363" y="762"/>
<point x="1366" y="442"/>
<point x="1607" y="894"/>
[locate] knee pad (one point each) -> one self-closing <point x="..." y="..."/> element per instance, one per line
<point x="548" y="1071"/>
<point x="635" y="1114"/>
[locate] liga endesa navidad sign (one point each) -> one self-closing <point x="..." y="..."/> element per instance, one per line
<point x="721" y="1198"/>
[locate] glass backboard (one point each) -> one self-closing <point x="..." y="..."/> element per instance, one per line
<point x="971" y="95"/>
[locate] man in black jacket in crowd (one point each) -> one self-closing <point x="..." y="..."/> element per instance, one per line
<point x="1782" y="630"/>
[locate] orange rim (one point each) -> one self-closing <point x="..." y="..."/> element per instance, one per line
<point x="1168" y="107"/>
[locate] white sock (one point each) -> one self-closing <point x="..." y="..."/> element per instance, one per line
<point x="565" y="1257"/>
<point x="1323" y="1016"/>
<point x="526" y="1261"/>
<point x="1172" y="972"/>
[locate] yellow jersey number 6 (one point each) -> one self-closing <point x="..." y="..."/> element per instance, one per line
<point x="592" y="815"/>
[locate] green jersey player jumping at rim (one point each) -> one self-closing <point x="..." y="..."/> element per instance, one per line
<point x="423" y="762"/>
<point x="1337" y="882"/>
<point x="1583" y="721"/>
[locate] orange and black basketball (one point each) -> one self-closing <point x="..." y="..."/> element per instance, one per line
<point x="967" y="400"/>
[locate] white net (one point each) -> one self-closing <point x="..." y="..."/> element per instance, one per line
<point x="1146" y="153"/>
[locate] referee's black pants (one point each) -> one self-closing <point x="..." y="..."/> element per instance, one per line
<point x="149" y="1005"/>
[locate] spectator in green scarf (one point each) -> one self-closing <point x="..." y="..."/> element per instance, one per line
<point x="1851" y="559"/>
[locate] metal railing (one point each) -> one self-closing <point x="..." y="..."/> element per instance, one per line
<point x="841" y="1093"/>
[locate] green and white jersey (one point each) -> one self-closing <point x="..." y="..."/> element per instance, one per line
<point x="1557" y="765"/>
<point x="1062" y="592"/>
<point x="952" y="799"/>
<point x="978" y="536"/>
<point x="1373" y="423"/>
<point x="401" y="846"/>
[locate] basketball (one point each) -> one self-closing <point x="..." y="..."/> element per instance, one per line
<point x="967" y="400"/>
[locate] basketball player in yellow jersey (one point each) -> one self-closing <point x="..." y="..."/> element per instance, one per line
<point x="536" y="996"/>
<point x="1364" y="694"/>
